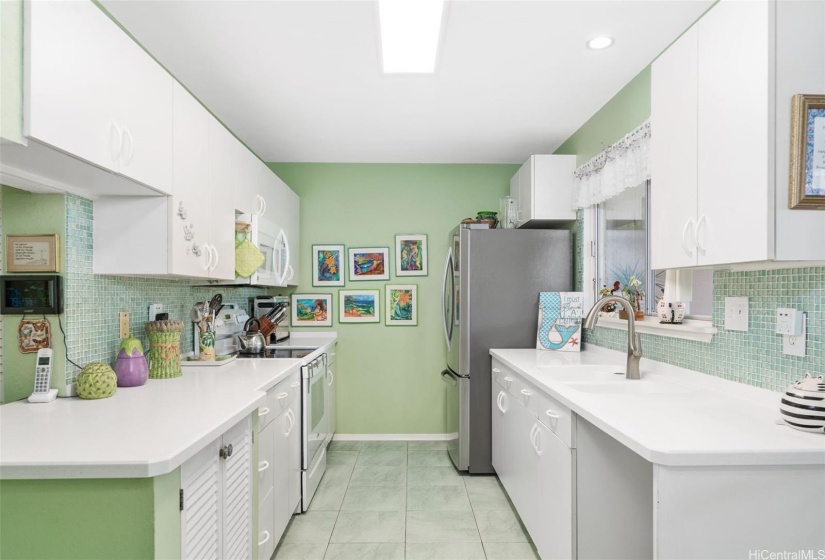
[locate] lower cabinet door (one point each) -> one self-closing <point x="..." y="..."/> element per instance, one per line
<point x="280" y="474"/>
<point x="294" y="471"/>
<point x="549" y="515"/>
<point x="267" y="540"/>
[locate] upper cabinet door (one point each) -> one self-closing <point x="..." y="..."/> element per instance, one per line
<point x="94" y="93"/>
<point x="673" y="153"/>
<point x="222" y="178"/>
<point x="734" y="100"/>
<point x="526" y="176"/>
<point x="189" y="220"/>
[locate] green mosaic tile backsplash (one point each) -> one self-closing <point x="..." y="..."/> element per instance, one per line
<point x="93" y="302"/>
<point x="754" y="357"/>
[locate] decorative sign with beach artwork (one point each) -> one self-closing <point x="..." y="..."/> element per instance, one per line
<point x="560" y="321"/>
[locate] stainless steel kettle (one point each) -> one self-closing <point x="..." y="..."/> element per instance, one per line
<point x="252" y="342"/>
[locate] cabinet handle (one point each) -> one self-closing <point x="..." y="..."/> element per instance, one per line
<point x="130" y="151"/>
<point x="208" y="254"/>
<point x="118" y="135"/>
<point x="214" y="249"/>
<point x="685" y="229"/>
<point x="508" y="380"/>
<point x="282" y="396"/>
<point x="225" y="452"/>
<point x="536" y="440"/>
<point x="259" y="206"/>
<point x="496" y="370"/>
<point x="499" y="400"/>
<point x="263" y="411"/>
<point x="266" y="538"/>
<point x="291" y="417"/>
<point x="702" y="221"/>
<point x="263" y="465"/>
<point x="331" y="378"/>
<point x="526" y="393"/>
<point x="533" y="433"/>
<point x="296" y="384"/>
<point x="552" y="415"/>
<point x="263" y="204"/>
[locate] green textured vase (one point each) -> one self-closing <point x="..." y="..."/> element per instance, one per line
<point x="164" y="355"/>
<point x="96" y="381"/>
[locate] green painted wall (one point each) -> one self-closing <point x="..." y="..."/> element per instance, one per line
<point x="388" y="380"/>
<point x="89" y="518"/>
<point x="29" y="214"/>
<point x="11" y="70"/>
<point x="629" y="108"/>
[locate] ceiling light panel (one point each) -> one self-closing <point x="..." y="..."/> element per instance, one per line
<point x="410" y="32"/>
<point x="599" y="43"/>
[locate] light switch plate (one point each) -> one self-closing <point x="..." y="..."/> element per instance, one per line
<point x="736" y="314"/>
<point x="123" y="317"/>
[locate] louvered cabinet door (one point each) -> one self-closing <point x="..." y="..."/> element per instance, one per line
<point x="200" y="521"/>
<point x="237" y="493"/>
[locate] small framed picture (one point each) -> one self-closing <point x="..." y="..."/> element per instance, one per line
<point x="402" y="305"/>
<point x="359" y="306"/>
<point x="327" y="269"/>
<point x="311" y="310"/>
<point x="411" y="255"/>
<point x="369" y="263"/>
<point x="33" y="253"/>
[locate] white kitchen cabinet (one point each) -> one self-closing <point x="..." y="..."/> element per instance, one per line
<point x="720" y="115"/>
<point x="279" y="462"/>
<point x="543" y="189"/>
<point x="251" y="195"/>
<point x="330" y="392"/>
<point x="534" y="460"/>
<point x="190" y="233"/>
<point x="216" y="498"/>
<point x="93" y="93"/>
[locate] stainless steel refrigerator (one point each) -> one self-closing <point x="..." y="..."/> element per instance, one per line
<point x="491" y="284"/>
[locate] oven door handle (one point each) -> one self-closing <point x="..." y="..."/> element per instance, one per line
<point x="449" y="378"/>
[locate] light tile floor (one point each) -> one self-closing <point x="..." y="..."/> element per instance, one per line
<point x="388" y="500"/>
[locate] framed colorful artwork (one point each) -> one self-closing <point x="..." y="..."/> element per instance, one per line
<point x="807" y="181"/>
<point x="359" y="306"/>
<point x="327" y="265"/>
<point x="369" y="263"/>
<point x="311" y="310"/>
<point x="411" y="255"/>
<point x="402" y="305"/>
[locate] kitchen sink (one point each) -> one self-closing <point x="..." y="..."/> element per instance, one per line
<point x="583" y="374"/>
<point x="633" y="387"/>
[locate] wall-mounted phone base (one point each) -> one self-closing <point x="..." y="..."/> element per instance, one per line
<point x="43" y="397"/>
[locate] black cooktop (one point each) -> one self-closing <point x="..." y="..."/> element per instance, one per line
<point x="280" y="353"/>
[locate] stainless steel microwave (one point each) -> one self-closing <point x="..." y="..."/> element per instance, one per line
<point x="36" y="294"/>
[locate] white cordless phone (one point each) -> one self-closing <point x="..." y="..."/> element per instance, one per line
<point x="43" y="378"/>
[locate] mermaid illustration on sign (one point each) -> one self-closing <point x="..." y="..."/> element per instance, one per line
<point x="560" y="317"/>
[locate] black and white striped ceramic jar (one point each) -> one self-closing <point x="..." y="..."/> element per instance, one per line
<point x="803" y="404"/>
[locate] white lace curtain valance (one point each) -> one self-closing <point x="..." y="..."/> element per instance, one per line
<point x="622" y="165"/>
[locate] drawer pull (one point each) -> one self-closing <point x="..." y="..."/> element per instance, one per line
<point x="508" y="379"/>
<point x="526" y="393"/>
<point x="263" y="411"/>
<point x="263" y="465"/>
<point x="496" y="370"/>
<point x="282" y="396"/>
<point x="552" y="414"/>
<point x="296" y="384"/>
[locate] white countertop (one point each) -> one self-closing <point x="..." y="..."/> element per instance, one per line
<point x="140" y="431"/>
<point x="703" y="421"/>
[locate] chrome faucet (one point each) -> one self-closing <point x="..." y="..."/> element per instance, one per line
<point x="634" y="343"/>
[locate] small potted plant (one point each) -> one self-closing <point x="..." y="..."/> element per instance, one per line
<point x="609" y="308"/>
<point x="634" y="294"/>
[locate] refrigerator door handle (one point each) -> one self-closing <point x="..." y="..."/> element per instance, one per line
<point x="448" y="378"/>
<point x="445" y="315"/>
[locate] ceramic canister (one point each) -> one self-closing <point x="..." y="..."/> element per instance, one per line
<point x="803" y="404"/>
<point x="130" y="366"/>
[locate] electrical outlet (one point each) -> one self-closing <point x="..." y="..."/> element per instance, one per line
<point x="124" y="324"/>
<point x="154" y="309"/>
<point x="795" y="345"/>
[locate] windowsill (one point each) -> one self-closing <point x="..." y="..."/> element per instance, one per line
<point x="690" y="329"/>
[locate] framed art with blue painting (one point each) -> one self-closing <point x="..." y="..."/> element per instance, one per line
<point x="807" y="181"/>
<point x="369" y="263"/>
<point x="327" y="265"/>
<point x="560" y="321"/>
<point x="411" y="255"/>
<point x="402" y="305"/>
<point x="311" y="310"/>
<point x="359" y="306"/>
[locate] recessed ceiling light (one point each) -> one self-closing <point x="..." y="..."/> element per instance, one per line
<point x="410" y="30"/>
<point x="599" y="43"/>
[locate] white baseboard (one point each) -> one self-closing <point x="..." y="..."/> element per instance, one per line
<point x="394" y="437"/>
